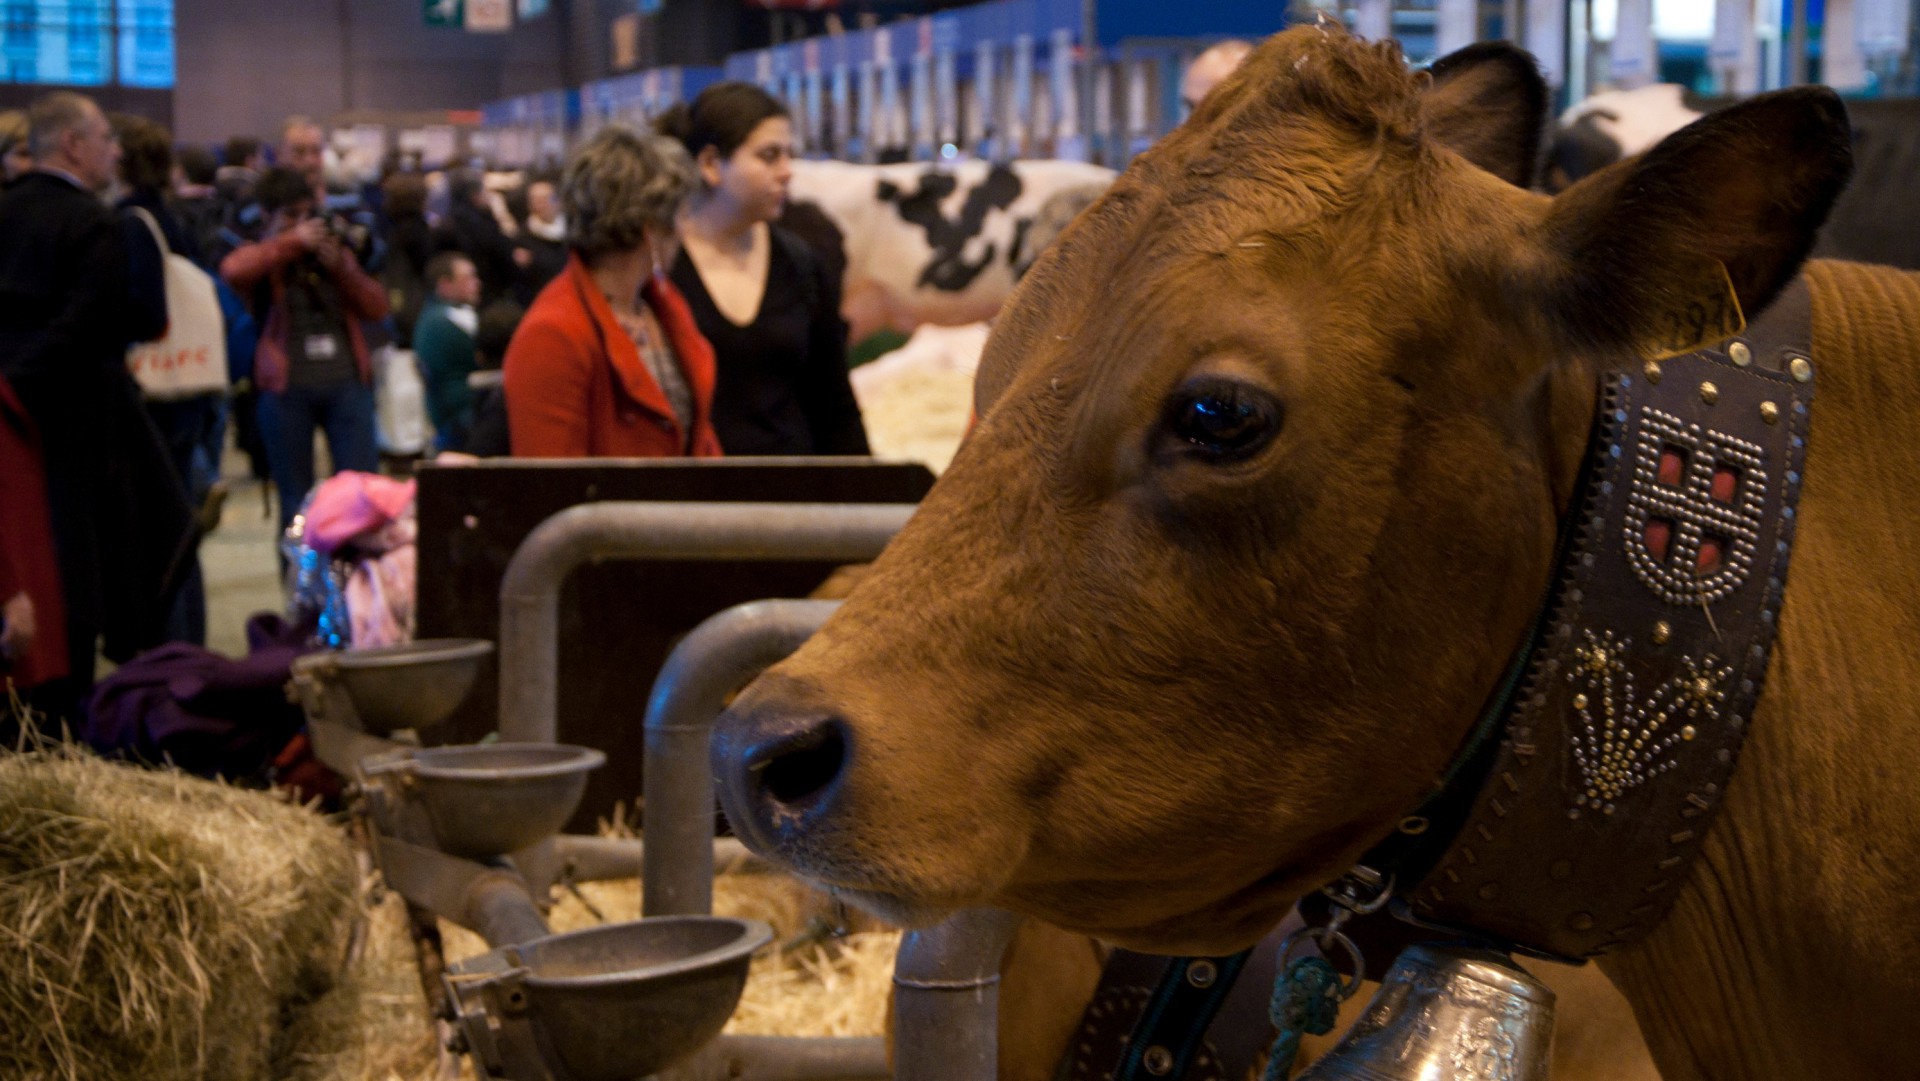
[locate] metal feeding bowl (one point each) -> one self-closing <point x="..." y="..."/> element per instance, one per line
<point x="411" y="685"/>
<point x="489" y="799"/>
<point x="627" y="1000"/>
<point x="610" y="1003"/>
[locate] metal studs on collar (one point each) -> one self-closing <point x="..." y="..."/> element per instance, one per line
<point x="1662" y="632"/>
<point x="1709" y="393"/>
<point x="1652" y="371"/>
<point x="1202" y="973"/>
<point x="1158" y="1061"/>
<point x="1770" y="412"/>
<point x="1802" y="369"/>
<point x="1740" y="354"/>
<point x="1630" y="742"/>
<point x="1693" y="510"/>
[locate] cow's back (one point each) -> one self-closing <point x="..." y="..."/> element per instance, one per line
<point x="1853" y="599"/>
<point x="1821" y="824"/>
<point x="928" y="243"/>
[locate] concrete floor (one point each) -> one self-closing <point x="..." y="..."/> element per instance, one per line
<point x="238" y="561"/>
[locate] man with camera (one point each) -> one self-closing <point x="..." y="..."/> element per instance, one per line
<point x="303" y="149"/>
<point x="312" y="369"/>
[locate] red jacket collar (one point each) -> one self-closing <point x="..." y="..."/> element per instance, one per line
<point x="690" y="348"/>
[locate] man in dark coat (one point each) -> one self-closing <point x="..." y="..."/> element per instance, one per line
<point x="471" y="229"/>
<point x="65" y="323"/>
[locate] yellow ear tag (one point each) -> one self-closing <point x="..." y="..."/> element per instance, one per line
<point x="1704" y="311"/>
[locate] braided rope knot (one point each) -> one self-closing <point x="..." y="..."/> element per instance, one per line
<point x="1306" y="1001"/>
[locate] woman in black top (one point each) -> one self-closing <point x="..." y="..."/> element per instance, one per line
<point x="759" y="294"/>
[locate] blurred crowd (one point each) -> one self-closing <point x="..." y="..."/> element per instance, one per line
<point x="161" y="303"/>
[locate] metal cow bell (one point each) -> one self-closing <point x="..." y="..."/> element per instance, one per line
<point x="1447" y="1013"/>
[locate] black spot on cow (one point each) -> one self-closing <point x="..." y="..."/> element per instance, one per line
<point x="1581" y="148"/>
<point x="948" y="270"/>
<point x="1014" y="258"/>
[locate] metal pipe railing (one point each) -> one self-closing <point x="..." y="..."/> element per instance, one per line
<point x="602" y="859"/>
<point x="786" y="1058"/>
<point x="946" y="997"/>
<point x="719" y="657"/>
<point x="946" y="977"/>
<point x="530" y="591"/>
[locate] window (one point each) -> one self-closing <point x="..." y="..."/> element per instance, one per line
<point x="146" y="43"/>
<point x="88" y="42"/>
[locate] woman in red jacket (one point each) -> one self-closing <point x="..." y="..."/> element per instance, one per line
<point x="608" y="362"/>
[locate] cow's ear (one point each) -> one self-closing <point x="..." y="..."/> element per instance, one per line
<point x="1488" y="103"/>
<point x="1729" y="204"/>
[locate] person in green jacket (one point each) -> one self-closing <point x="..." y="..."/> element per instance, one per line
<point x="443" y="340"/>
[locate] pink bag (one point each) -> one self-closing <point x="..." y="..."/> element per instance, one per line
<point x="349" y="504"/>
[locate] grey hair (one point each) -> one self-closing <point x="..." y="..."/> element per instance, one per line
<point x="618" y="183"/>
<point x="53" y="115"/>
<point x="288" y="125"/>
<point x="13" y="129"/>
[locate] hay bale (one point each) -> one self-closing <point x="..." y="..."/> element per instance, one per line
<point x="159" y="926"/>
<point x="374" y="1025"/>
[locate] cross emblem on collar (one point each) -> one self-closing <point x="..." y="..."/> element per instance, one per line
<point x="1695" y="511"/>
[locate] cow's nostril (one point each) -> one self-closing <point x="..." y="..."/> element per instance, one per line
<point x="799" y="766"/>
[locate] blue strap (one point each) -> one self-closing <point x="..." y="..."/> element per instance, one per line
<point x="1176" y="1018"/>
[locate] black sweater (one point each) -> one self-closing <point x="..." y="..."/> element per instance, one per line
<point x="782" y="383"/>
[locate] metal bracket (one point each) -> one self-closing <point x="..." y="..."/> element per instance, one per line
<point x="493" y="1018"/>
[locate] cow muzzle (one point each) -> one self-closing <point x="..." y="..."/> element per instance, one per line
<point x="779" y="774"/>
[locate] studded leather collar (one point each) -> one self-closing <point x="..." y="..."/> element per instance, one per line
<point x="1569" y="833"/>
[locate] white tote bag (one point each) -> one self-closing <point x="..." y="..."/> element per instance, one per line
<point x="191" y="357"/>
<point x="400" y="403"/>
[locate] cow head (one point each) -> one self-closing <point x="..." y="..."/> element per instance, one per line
<point x="1263" y="495"/>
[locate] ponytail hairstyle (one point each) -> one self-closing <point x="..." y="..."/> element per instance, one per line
<point x="722" y="117"/>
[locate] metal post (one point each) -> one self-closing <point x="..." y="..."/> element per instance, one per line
<point x="946" y="998"/>
<point x="530" y="591"/>
<point x="786" y="1058"/>
<point x="709" y="665"/>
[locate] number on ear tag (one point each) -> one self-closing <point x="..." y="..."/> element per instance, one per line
<point x="1704" y="311"/>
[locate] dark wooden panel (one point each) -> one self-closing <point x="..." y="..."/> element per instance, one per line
<point x="618" y="621"/>
<point x="154" y="105"/>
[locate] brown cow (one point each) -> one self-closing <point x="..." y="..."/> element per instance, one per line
<point x="1262" y="500"/>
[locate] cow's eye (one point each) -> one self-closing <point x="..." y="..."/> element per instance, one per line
<point x="1222" y="420"/>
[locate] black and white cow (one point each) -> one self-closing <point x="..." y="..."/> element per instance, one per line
<point x="1876" y="220"/>
<point x="925" y="243"/>
<point x="1612" y="125"/>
